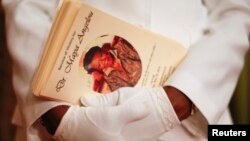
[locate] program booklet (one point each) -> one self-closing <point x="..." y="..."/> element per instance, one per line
<point x="89" y="52"/>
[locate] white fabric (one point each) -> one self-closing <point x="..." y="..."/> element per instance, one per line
<point x="99" y="124"/>
<point x="162" y="118"/>
<point x="210" y="71"/>
<point x="207" y="76"/>
<point x="27" y="25"/>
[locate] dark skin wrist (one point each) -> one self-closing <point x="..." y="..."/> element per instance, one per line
<point x="180" y="102"/>
<point x="52" y="118"/>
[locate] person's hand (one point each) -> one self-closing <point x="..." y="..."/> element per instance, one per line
<point x="162" y="119"/>
<point x="98" y="124"/>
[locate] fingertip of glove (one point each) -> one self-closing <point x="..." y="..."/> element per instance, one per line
<point x="85" y="100"/>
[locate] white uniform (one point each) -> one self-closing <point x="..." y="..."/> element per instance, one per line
<point x="216" y="31"/>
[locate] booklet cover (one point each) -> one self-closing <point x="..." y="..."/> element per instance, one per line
<point x="89" y="52"/>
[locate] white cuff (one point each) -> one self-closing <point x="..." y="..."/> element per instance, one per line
<point x="165" y="108"/>
<point x="194" y="90"/>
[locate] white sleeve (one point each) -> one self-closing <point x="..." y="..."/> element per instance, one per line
<point x="210" y="71"/>
<point x="27" y="26"/>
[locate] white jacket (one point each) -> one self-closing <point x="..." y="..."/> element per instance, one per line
<point x="216" y="31"/>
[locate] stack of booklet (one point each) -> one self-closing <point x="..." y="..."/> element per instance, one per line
<point x="89" y="52"/>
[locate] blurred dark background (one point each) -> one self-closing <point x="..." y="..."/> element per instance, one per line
<point x="240" y="104"/>
<point x="7" y="97"/>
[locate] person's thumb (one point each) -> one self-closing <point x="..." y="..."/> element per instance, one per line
<point x="110" y="99"/>
<point x="113" y="119"/>
<point x="132" y="112"/>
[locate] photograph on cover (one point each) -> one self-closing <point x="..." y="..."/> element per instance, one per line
<point x="112" y="62"/>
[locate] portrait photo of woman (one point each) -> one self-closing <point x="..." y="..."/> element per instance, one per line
<point x="113" y="65"/>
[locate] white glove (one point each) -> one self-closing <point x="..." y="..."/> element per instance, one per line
<point x="162" y="119"/>
<point x="98" y="124"/>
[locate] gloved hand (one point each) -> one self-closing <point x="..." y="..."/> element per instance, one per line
<point x="98" y="124"/>
<point x="162" y="118"/>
